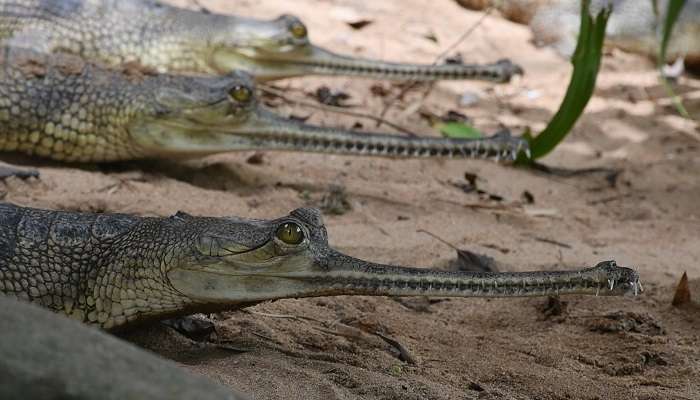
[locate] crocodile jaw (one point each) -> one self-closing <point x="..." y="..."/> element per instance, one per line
<point x="312" y="60"/>
<point x="305" y="275"/>
<point x="259" y="129"/>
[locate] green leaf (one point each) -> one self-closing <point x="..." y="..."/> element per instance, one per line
<point x="459" y="130"/>
<point x="672" y="12"/>
<point x="586" y="61"/>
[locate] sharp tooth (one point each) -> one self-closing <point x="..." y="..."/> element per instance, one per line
<point x="634" y="287"/>
<point x="641" y="288"/>
<point x="597" y="291"/>
<point x="528" y="153"/>
<point x="611" y="283"/>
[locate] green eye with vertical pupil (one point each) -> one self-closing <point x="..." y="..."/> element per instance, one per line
<point x="240" y="93"/>
<point x="290" y="233"/>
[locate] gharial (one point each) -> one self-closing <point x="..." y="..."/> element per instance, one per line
<point x="63" y="107"/>
<point x="115" y="270"/>
<point x="172" y="39"/>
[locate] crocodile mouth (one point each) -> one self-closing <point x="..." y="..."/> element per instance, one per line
<point x="289" y="61"/>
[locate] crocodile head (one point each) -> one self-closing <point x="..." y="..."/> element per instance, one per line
<point x="192" y="116"/>
<point x="237" y="261"/>
<point x="281" y="48"/>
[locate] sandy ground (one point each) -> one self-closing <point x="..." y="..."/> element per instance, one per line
<point x="646" y="216"/>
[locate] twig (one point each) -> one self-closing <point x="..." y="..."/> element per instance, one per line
<point x="228" y="347"/>
<point x="466" y="34"/>
<point x="550" y="241"/>
<point x="260" y="335"/>
<point x="345" y="331"/>
<point x="438" y="238"/>
<point x="280" y="316"/>
<point x="413" y="84"/>
<point x="404" y="354"/>
<point x="339" y="110"/>
<point x="495" y="207"/>
<point x="262" y="314"/>
<point x="608" y="199"/>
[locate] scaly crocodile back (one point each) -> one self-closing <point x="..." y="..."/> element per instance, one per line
<point x="62" y="107"/>
<point x="100" y="269"/>
<point x="112" y="32"/>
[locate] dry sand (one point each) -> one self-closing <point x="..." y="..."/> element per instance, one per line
<point x="648" y="217"/>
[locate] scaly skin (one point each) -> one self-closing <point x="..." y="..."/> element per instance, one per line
<point x="114" y="270"/>
<point x="61" y="107"/>
<point x="171" y="39"/>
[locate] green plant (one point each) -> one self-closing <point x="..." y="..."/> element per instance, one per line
<point x="672" y="12"/>
<point x="586" y="61"/>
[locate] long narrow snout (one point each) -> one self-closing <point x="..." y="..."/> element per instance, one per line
<point x="344" y="275"/>
<point x="268" y="131"/>
<point x="314" y="60"/>
<point x="323" y="62"/>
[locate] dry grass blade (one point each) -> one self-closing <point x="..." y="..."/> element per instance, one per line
<point x="404" y="354"/>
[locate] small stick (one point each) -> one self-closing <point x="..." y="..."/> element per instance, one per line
<point x="413" y="84"/>
<point x="445" y="242"/>
<point x="260" y="335"/>
<point x="280" y="316"/>
<point x="550" y="241"/>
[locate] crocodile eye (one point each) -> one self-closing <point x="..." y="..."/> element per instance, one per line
<point x="298" y="30"/>
<point x="290" y="233"/>
<point x="240" y="93"/>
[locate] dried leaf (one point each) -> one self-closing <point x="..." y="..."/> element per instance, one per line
<point x="359" y="24"/>
<point x="682" y="295"/>
<point x="325" y="95"/>
<point x="404" y="354"/>
<point x="470" y="261"/>
<point x="256" y="158"/>
<point x="527" y="197"/>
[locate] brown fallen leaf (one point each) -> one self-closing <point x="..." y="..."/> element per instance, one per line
<point x="682" y="295"/>
<point x="468" y="260"/>
<point x="335" y="98"/>
<point x="404" y="354"/>
<point x="359" y="24"/>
